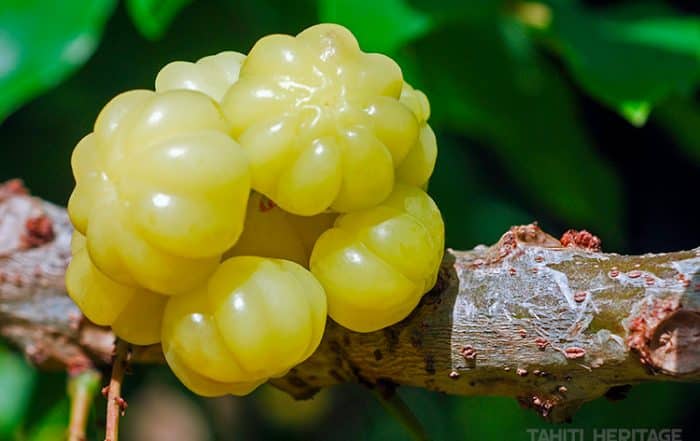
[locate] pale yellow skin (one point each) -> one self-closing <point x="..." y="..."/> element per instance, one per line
<point x="376" y="264"/>
<point x="161" y="189"/>
<point x="254" y="319"/>
<point x="320" y="120"/>
<point x="418" y="165"/>
<point x="133" y="313"/>
<point x="272" y="232"/>
<point x="211" y="75"/>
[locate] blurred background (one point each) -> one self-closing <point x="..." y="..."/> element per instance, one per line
<point x="578" y="114"/>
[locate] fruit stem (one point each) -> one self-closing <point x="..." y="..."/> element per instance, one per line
<point x="82" y="388"/>
<point x="116" y="405"/>
<point x="398" y="408"/>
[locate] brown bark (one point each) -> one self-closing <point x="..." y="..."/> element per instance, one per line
<point x="551" y="325"/>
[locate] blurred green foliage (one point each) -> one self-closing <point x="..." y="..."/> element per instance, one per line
<point x="42" y="42"/>
<point x="152" y="17"/>
<point x="534" y="104"/>
<point x="16" y="384"/>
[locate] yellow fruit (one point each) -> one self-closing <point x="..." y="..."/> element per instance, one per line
<point x="254" y="319"/>
<point x="420" y="161"/>
<point x="212" y="75"/>
<point x="272" y="232"/>
<point x="376" y="264"/>
<point x="133" y="313"/>
<point x="320" y="121"/>
<point x="161" y="189"/>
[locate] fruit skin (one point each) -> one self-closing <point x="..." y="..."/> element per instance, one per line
<point x="320" y="120"/>
<point x="161" y="189"/>
<point x="254" y="319"/>
<point x="211" y="75"/>
<point x="270" y="231"/>
<point x="420" y="161"/>
<point x="376" y="264"/>
<point x="133" y="313"/>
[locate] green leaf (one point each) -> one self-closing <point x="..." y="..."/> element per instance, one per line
<point x="628" y="58"/>
<point x="379" y="25"/>
<point x="490" y="84"/>
<point x="636" y="112"/>
<point x="16" y="383"/>
<point x="152" y="17"/>
<point x="42" y="42"/>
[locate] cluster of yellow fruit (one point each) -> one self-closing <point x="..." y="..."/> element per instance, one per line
<point x="226" y="212"/>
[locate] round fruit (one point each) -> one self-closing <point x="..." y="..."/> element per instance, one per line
<point x="320" y="121"/>
<point x="420" y="161"/>
<point x="254" y="319"/>
<point x="133" y="313"/>
<point x="270" y="231"/>
<point x="161" y="189"/>
<point x="212" y="75"/>
<point x="376" y="264"/>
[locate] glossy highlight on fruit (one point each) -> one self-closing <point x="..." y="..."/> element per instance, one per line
<point x="254" y="319"/>
<point x="211" y="75"/>
<point x="376" y="264"/>
<point x="270" y="231"/>
<point x="133" y="313"/>
<point x="161" y="189"/>
<point x="420" y="161"/>
<point x="320" y="121"/>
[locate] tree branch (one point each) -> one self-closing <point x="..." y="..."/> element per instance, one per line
<point x="116" y="405"/>
<point x="551" y="325"/>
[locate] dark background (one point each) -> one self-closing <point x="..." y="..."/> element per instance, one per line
<point x="530" y="124"/>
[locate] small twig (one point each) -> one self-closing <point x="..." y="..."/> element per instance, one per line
<point x="116" y="405"/>
<point x="393" y="403"/>
<point x="82" y="389"/>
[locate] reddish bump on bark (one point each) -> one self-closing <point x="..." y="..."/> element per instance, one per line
<point x="13" y="187"/>
<point x="121" y="402"/>
<point x="512" y="271"/>
<point x="649" y="281"/>
<point x="574" y="352"/>
<point x="614" y="272"/>
<point x="521" y="372"/>
<point x="539" y="259"/>
<point x="39" y="230"/>
<point x="454" y="375"/>
<point x="522" y="333"/>
<point x="468" y="352"/>
<point x="562" y="389"/>
<point x="543" y="405"/>
<point x="580" y="296"/>
<point x="541" y="343"/>
<point x="105" y="391"/>
<point x="634" y="274"/>
<point x="580" y="239"/>
<point x="506" y="245"/>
